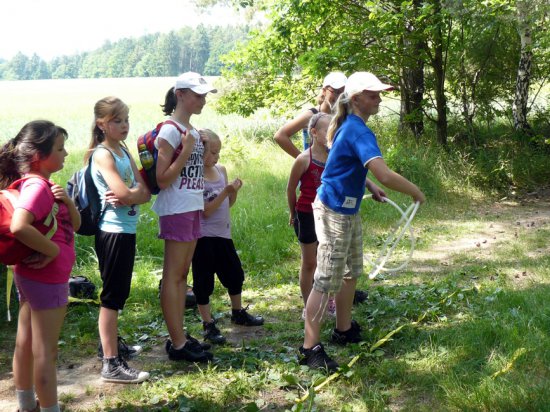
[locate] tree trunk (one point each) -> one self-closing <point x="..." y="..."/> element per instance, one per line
<point x="519" y="107"/>
<point x="412" y="80"/>
<point x="439" y="73"/>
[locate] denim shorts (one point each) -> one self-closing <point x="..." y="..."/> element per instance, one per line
<point x="41" y="295"/>
<point x="340" y="250"/>
<point x="181" y="227"/>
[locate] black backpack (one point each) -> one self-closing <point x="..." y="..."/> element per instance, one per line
<point x="81" y="287"/>
<point x="82" y="190"/>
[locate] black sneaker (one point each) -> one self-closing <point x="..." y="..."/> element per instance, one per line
<point x="242" y="317"/>
<point x="360" y="296"/>
<point x="192" y="351"/>
<point x="212" y="333"/>
<point x="204" y="345"/>
<point x="352" y="335"/>
<point x="317" y="358"/>
<point x="117" y="370"/>
<point x="126" y="351"/>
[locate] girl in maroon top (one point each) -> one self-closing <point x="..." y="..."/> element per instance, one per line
<point x="306" y="172"/>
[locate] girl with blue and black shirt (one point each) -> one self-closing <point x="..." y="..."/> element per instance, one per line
<point x="121" y="190"/>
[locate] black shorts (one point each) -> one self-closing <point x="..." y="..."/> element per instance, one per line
<point x="216" y="255"/>
<point x="304" y="227"/>
<point x="115" y="253"/>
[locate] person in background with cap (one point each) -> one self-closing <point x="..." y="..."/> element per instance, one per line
<point x="353" y="152"/>
<point x="333" y="86"/>
<point x="179" y="205"/>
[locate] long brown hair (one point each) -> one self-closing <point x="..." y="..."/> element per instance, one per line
<point x="16" y="156"/>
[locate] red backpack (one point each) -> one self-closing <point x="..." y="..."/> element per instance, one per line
<point x="12" y="251"/>
<point x="148" y="154"/>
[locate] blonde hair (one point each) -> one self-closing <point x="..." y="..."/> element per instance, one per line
<point x="343" y="109"/>
<point x="105" y="109"/>
<point x="211" y="135"/>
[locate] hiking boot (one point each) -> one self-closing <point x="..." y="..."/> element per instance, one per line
<point x="204" y="345"/>
<point x="360" y="296"/>
<point x="212" y="333"/>
<point x="242" y="317"/>
<point x="352" y="335"/>
<point x="192" y="351"/>
<point x="116" y="370"/>
<point x="317" y="358"/>
<point x="126" y="351"/>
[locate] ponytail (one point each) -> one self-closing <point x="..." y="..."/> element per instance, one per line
<point x="170" y="102"/>
<point x="342" y="111"/>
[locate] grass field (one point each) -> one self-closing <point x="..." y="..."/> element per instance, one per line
<point x="464" y="328"/>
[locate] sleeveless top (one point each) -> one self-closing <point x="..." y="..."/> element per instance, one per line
<point x="218" y="224"/>
<point x="122" y="219"/>
<point x="309" y="182"/>
<point x="305" y="132"/>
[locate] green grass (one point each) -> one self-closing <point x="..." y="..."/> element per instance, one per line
<point x="469" y="334"/>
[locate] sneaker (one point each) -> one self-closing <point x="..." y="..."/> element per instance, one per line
<point x="352" y="335"/>
<point x="317" y="358"/>
<point x="360" y="296"/>
<point x="204" y="345"/>
<point x="36" y="408"/>
<point x="212" y="333"/>
<point x="192" y="351"/>
<point x="116" y="370"/>
<point x="242" y="317"/>
<point x="126" y="351"/>
<point x="331" y="308"/>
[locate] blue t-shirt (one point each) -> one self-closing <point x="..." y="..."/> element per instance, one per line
<point x="122" y="219"/>
<point x="343" y="181"/>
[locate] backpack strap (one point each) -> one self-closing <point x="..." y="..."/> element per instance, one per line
<point x="173" y="123"/>
<point x="50" y="220"/>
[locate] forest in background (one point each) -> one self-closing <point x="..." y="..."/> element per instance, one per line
<point x="154" y="55"/>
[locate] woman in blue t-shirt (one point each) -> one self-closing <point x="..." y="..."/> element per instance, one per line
<point x="353" y="151"/>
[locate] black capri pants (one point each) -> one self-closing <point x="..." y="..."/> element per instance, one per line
<point x="116" y="253"/>
<point x="216" y="255"/>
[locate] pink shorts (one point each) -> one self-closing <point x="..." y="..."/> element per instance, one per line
<point x="41" y="295"/>
<point x="182" y="227"/>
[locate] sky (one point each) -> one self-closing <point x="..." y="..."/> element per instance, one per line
<point x="52" y="28"/>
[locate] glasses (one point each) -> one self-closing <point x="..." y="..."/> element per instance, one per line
<point x="335" y="91"/>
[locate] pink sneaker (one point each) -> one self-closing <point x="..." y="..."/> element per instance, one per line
<point x="331" y="308"/>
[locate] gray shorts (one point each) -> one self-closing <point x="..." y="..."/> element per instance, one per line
<point x="340" y="250"/>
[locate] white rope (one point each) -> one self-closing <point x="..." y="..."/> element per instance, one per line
<point x="394" y="238"/>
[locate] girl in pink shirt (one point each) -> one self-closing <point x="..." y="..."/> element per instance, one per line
<point x="42" y="279"/>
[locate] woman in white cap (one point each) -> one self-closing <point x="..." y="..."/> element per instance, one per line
<point x="353" y="151"/>
<point x="179" y="204"/>
<point x="333" y="86"/>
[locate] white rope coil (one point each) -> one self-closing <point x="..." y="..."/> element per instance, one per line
<point x="402" y="226"/>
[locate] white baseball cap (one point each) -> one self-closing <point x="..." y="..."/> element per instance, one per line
<point x="336" y="80"/>
<point x="195" y="82"/>
<point x="360" y="81"/>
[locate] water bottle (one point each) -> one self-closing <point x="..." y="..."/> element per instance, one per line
<point x="145" y="157"/>
<point x="148" y="163"/>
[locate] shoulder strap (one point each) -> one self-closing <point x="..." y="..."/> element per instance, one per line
<point x="50" y="219"/>
<point x="173" y="123"/>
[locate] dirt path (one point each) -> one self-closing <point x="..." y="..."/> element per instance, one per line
<point x="502" y="221"/>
